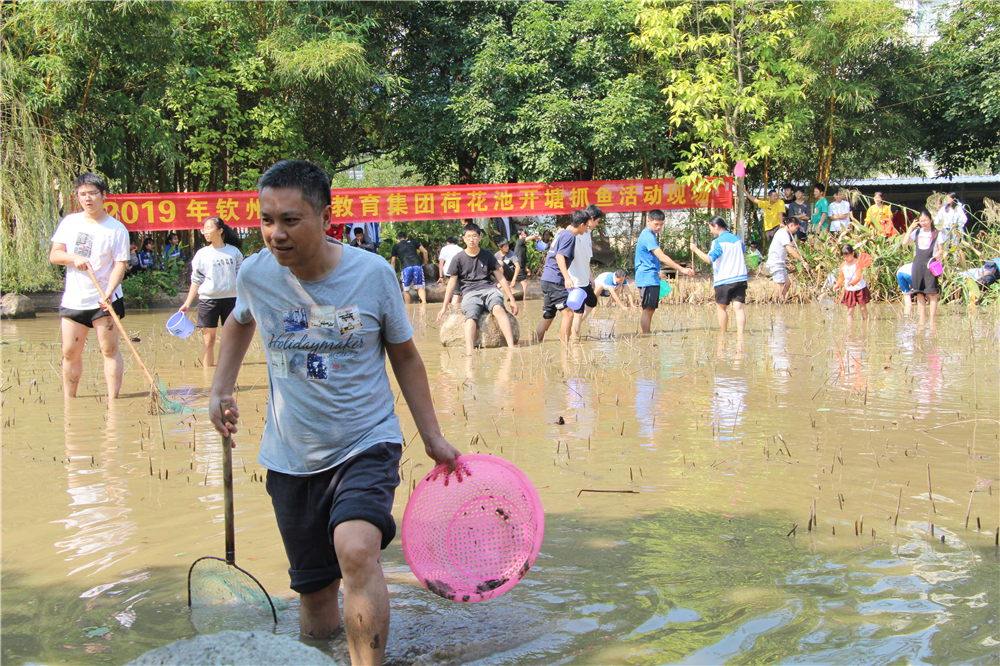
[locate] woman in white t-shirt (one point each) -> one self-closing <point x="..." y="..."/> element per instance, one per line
<point x="929" y="247"/>
<point x="213" y="282"/>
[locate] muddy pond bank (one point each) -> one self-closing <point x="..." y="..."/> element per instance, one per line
<point x="726" y="445"/>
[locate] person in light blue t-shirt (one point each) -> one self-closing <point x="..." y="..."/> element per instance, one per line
<point x="729" y="266"/>
<point x="328" y="316"/>
<point x="648" y="257"/>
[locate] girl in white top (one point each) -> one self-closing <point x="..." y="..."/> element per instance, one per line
<point x="213" y="282"/>
<point x="851" y="277"/>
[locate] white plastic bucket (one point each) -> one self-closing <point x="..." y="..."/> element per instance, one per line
<point x="180" y="325"/>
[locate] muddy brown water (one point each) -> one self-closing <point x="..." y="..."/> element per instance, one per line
<point x="726" y="446"/>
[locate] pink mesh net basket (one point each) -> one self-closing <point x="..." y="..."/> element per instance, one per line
<point x="473" y="534"/>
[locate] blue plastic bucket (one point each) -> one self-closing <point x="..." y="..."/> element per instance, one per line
<point x="576" y="298"/>
<point x="180" y="325"/>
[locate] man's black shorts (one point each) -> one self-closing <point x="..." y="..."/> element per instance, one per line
<point x="650" y="297"/>
<point x="88" y="317"/>
<point x="553" y="299"/>
<point x="728" y="293"/>
<point x="590" y="301"/>
<point x="309" y="508"/>
<point x="213" y="312"/>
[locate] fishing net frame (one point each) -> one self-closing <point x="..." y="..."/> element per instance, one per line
<point x="212" y="584"/>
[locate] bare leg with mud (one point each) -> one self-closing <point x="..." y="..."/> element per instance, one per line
<point x="319" y="616"/>
<point x="503" y="321"/>
<point x="423" y="295"/>
<point x="114" y="364"/>
<point x="471" y="328"/>
<point x="646" y="320"/>
<point x="74" y="337"/>
<point x="366" y="598"/>
<point x="208" y="346"/>
<point x="741" y="317"/>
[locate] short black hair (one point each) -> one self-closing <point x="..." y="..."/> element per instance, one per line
<point x="452" y="240"/>
<point x="717" y="221"/>
<point x="770" y="192"/>
<point x="578" y="217"/>
<point x="90" y="179"/>
<point x="358" y="231"/>
<point x="472" y="226"/>
<point x="593" y="211"/>
<point x="304" y="176"/>
<point x="656" y="214"/>
<point x="401" y="235"/>
<point x="502" y="242"/>
<point x="846" y="248"/>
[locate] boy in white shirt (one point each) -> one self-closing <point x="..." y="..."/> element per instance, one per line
<point x="579" y="269"/>
<point x="94" y="241"/>
<point x="780" y="248"/>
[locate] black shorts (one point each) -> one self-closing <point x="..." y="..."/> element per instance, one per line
<point x="553" y="299"/>
<point x="650" y="297"/>
<point x="728" y="293"/>
<point x="213" y="312"/>
<point x="88" y="317"/>
<point x="309" y="508"/>
<point x="590" y="301"/>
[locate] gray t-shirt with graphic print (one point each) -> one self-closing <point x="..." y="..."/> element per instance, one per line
<point x="325" y="345"/>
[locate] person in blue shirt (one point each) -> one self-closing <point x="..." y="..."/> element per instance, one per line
<point x="648" y="257"/>
<point x="147" y="255"/>
<point x="613" y="286"/>
<point x="172" y="251"/>
<point x="728" y="259"/>
<point x="555" y="277"/>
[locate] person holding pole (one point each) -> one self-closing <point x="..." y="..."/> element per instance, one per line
<point x="729" y="267"/>
<point x="329" y="315"/>
<point x="85" y="242"/>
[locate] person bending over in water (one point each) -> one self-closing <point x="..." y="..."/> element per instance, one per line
<point x="778" y="253"/>
<point x="613" y="286"/>
<point x="94" y="241"/>
<point x="213" y="282"/>
<point x="729" y="267"/>
<point x="473" y="268"/>
<point x="850" y="277"/>
<point x="328" y="315"/>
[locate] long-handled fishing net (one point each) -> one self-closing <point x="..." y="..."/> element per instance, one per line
<point x="160" y="401"/>
<point x="221" y="595"/>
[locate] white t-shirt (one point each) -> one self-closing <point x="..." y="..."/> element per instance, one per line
<point x="214" y="271"/>
<point x="446" y="254"/>
<point x="923" y="239"/>
<point x="839" y="208"/>
<point x="606" y="281"/>
<point x="947" y="218"/>
<point x="777" y="253"/>
<point x="579" y="268"/>
<point x="102" y="244"/>
<point x="849" y="273"/>
<point x="329" y="394"/>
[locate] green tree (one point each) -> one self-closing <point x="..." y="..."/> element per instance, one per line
<point x="865" y="83"/>
<point x="963" y="125"/>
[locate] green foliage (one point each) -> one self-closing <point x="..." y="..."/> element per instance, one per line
<point x="866" y="87"/>
<point x="144" y="287"/>
<point x="531" y="91"/>
<point x="732" y="89"/>
<point x="963" y="125"/>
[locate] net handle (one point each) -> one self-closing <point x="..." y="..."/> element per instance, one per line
<point x="118" y="323"/>
<point x="227" y="487"/>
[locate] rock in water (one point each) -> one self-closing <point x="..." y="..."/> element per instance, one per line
<point x="452" y="331"/>
<point x="16" y="306"/>
<point x="235" y="648"/>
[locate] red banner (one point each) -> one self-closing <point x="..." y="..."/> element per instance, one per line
<point x="184" y="210"/>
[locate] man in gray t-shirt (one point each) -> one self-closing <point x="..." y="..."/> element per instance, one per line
<point x="328" y="316"/>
